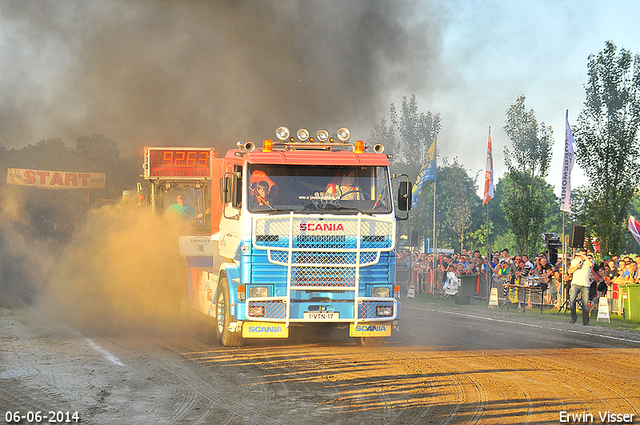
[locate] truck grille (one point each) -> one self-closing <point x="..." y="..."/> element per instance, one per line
<point x="323" y="276"/>
<point x="318" y="232"/>
<point x="321" y="251"/>
<point x="323" y="258"/>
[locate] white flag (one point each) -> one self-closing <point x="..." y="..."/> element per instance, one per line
<point x="569" y="160"/>
<point x="488" y="176"/>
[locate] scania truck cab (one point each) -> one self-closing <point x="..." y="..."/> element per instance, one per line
<point x="303" y="234"/>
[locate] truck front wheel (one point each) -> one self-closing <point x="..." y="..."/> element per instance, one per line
<point x="223" y="317"/>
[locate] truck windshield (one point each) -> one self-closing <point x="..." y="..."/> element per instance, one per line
<point x="315" y="189"/>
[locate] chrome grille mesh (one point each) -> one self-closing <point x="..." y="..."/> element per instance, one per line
<point x="367" y="309"/>
<point x="273" y="309"/>
<point x="322" y="252"/>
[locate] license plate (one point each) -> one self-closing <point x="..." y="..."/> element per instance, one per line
<point x="321" y="316"/>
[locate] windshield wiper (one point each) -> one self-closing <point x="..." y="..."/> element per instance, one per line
<point x="310" y="207"/>
<point x="341" y="208"/>
<point x="280" y="211"/>
<point x="338" y="209"/>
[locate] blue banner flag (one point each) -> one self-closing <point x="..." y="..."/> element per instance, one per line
<point x="427" y="172"/>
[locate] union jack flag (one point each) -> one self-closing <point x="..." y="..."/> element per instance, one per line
<point x="634" y="228"/>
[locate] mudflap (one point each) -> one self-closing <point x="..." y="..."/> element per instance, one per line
<point x="264" y="330"/>
<point x="369" y="329"/>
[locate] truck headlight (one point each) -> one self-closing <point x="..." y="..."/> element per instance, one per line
<point x="282" y="133"/>
<point x="384" y="310"/>
<point x="322" y="135"/>
<point x="303" y="134"/>
<point x="343" y="134"/>
<point x="258" y="292"/>
<point x="255" y="311"/>
<point x="380" y="292"/>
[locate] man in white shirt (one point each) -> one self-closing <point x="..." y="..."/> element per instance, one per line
<point x="580" y="271"/>
<point x="527" y="263"/>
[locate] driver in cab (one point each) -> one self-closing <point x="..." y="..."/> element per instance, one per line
<point x="260" y="196"/>
<point x="344" y="188"/>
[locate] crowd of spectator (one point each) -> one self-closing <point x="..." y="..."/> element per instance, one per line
<point x="606" y="275"/>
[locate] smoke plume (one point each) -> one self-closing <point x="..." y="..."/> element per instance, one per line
<point x="206" y="72"/>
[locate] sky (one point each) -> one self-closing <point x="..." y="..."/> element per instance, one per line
<point x="495" y="50"/>
<point x="197" y="73"/>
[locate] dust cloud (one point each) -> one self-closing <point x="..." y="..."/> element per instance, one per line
<point x="25" y="260"/>
<point x="121" y="272"/>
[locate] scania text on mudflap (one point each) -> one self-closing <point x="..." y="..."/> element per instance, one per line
<point x="302" y="232"/>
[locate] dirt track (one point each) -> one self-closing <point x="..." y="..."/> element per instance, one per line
<point x="444" y="367"/>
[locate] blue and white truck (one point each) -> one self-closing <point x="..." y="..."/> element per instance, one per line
<point x="303" y="233"/>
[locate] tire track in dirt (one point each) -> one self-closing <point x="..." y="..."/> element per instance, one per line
<point x="599" y="380"/>
<point x="497" y="375"/>
<point x="541" y="382"/>
<point x="426" y="371"/>
<point x="136" y="352"/>
<point x="389" y="398"/>
<point x="290" y="370"/>
<point x="196" y="369"/>
<point x="340" y="368"/>
<point x="27" y="381"/>
<point x="408" y="381"/>
<point x="458" y="403"/>
<point x="480" y="396"/>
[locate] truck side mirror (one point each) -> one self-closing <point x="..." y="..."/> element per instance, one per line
<point x="225" y="189"/>
<point x="231" y="191"/>
<point x="405" y="191"/>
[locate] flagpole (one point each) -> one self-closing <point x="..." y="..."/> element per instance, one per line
<point x="488" y="266"/>
<point x="488" y="195"/>
<point x="435" y="240"/>
<point x="564" y="262"/>
<point x="565" y="198"/>
<point x="564" y="238"/>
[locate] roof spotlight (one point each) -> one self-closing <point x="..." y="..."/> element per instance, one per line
<point x="282" y="133"/>
<point x="343" y="134"/>
<point x="322" y="135"/>
<point x="303" y="134"/>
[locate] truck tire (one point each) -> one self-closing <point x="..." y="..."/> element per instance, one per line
<point x="225" y="337"/>
<point x="372" y="341"/>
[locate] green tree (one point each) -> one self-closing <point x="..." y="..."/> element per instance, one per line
<point x="51" y="154"/>
<point x="528" y="165"/>
<point x="99" y="151"/>
<point x="503" y="236"/>
<point x="496" y="212"/>
<point x="417" y="131"/>
<point x="458" y="208"/>
<point x="407" y="137"/>
<point x="607" y="144"/>
<point x="457" y="204"/>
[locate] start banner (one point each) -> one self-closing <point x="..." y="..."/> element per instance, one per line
<point x="56" y="179"/>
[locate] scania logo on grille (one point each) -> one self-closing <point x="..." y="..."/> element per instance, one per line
<point x="327" y="227"/>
